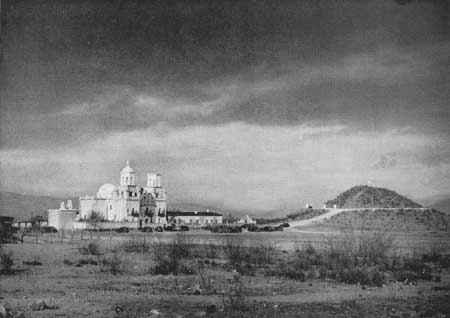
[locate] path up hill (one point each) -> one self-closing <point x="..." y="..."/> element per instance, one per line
<point x="371" y="197"/>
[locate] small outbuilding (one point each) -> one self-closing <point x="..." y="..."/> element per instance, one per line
<point x="63" y="217"/>
<point x="194" y="218"/>
<point x="246" y="220"/>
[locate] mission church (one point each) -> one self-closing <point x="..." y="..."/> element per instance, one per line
<point x="128" y="202"/>
<point x="138" y="206"/>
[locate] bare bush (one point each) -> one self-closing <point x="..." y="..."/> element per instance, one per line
<point x="366" y="247"/>
<point x="171" y="257"/>
<point x="207" y="279"/>
<point x="233" y="297"/>
<point x="91" y="248"/>
<point x="112" y="264"/>
<point x="234" y="249"/>
<point x="211" y="250"/>
<point x="246" y="259"/>
<point x="136" y="245"/>
<point x="6" y="261"/>
<point x="437" y="254"/>
<point x="352" y="257"/>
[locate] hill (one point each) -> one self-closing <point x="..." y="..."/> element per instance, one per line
<point x="23" y="206"/>
<point x="371" y="197"/>
<point x="408" y="220"/>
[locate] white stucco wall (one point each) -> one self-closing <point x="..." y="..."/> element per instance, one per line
<point x="62" y="219"/>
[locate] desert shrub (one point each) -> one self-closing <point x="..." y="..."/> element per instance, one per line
<point x="211" y="250"/>
<point x="207" y="279"/>
<point x="112" y="264"/>
<point x="261" y="254"/>
<point x="68" y="262"/>
<point x="233" y="297"/>
<point x="234" y="249"/>
<point x="171" y="257"/>
<point x="301" y="265"/>
<point x="136" y="245"/>
<point x="353" y="257"/>
<point x="205" y="250"/>
<point x="240" y="254"/>
<point x="373" y="246"/>
<point x="288" y="270"/>
<point x="87" y="261"/>
<point x="437" y="256"/>
<point x="359" y="248"/>
<point x="361" y="275"/>
<point x="6" y="261"/>
<point x="91" y="248"/>
<point x="337" y="253"/>
<point x="411" y="268"/>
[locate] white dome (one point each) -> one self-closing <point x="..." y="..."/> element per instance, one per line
<point x="106" y="191"/>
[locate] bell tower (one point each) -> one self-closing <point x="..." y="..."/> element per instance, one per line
<point x="127" y="176"/>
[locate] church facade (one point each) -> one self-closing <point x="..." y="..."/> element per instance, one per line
<point x="128" y="201"/>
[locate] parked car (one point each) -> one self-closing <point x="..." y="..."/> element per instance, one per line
<point x="285" y="225"/>
<point x="236" y="229"/>
<point x="159" y="229"/>
<point x="122" y="229"/>
<point x="207" y="227"/>
<point x="48" y="229"/>
<point x="170" y="228"/>
<point x="253" y="228"/>
<point x="184" y="228"/>
<point x="147" y="229"/>
<point x="268" y="228"/>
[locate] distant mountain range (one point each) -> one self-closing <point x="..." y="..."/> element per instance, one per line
<point x="439" y="202"/>
<point x="185" y="206"/>
<point x="23" y="206"/>
<point x="364" y="196"/>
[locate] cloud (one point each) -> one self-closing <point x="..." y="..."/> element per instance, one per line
<point x="233" y="103"/>
<point x="236" y="166"/>
<point x="387" y="161"/>
<point x="365" y="91"/>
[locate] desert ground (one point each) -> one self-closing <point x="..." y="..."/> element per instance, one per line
<point x="198" y="273"/>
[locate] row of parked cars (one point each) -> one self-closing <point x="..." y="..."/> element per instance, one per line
<point x="165" y="228"/>
<point x="224" y="228"/>
<point x="42" y="229"/>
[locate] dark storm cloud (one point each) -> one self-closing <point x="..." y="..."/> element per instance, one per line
<point x="62" y="55"/>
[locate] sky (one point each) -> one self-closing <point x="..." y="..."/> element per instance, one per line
<point x="242" y="105"/>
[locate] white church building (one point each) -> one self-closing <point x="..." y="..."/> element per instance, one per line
<point x="128" y="202"/>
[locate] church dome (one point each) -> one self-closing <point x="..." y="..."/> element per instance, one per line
<point x="127" y="168"/>
<point x="106" y="191"/>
